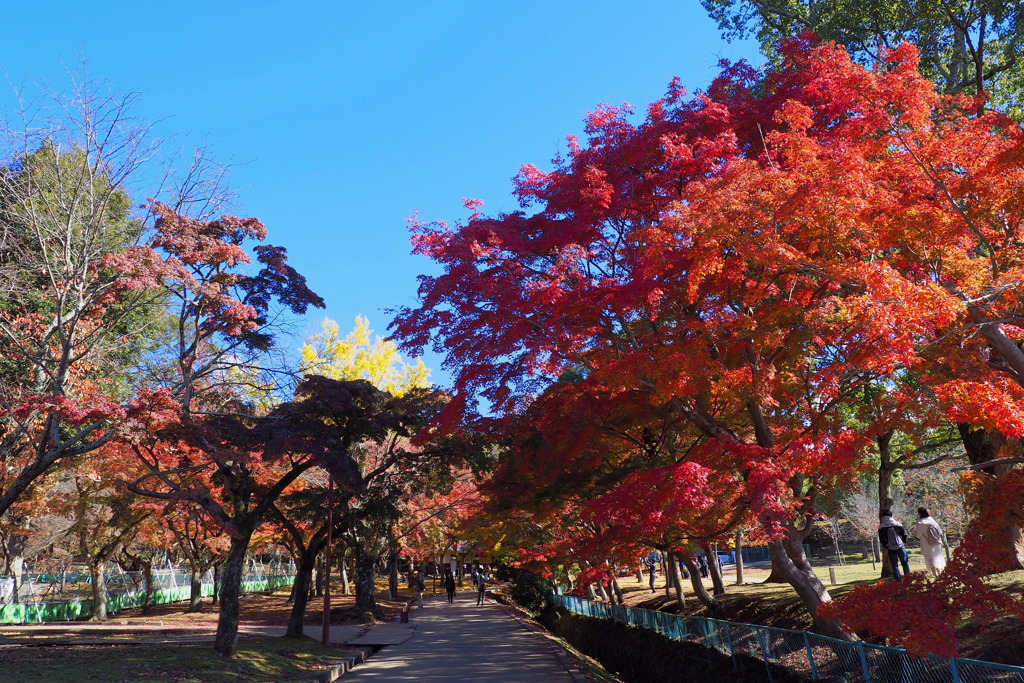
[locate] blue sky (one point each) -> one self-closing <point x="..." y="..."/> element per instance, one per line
<point x="345" y="118"/>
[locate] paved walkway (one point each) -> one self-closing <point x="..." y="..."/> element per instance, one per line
<point x="463" y="642"/>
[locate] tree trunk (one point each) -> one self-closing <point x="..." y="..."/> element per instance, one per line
<point x="216" y="583"/>
<point x="346" y="588"/>
<point x="788" y="555"/>
<point x="15" y="555"/>
<point x="319" y="577"/>
<point x="393" y="568"/>
<point x="303" y="580"/>
<point x="99" y="591"/>
<point x="885" y="501"/>
<point x="677" y="579"/>
<point x="195" y="595"/>
<point x="699" y="590"/>
<point x="226" y="639"/>
<point x="617" y="592"/>
<point x="17" y="572"/>
<point x="291" y="593"/>
<point x="366" y="597"/>
<point x="739" y="557"/>
<point x="981" y="445"/>
<point x="718" y="586"/>
<point x="307" y="559"/>
<point x="147" y="579"/>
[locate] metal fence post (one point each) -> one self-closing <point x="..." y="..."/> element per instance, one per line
<point x="732" y="652"/>
<point x="810" y="656"/>
<point x="954" y="670"/>
<point x="864" y="660"/>
<point x="762" y="639"/>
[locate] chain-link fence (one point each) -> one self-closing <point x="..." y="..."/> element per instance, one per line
<point x="68" y="594"/>
<point x="814" y="656"/>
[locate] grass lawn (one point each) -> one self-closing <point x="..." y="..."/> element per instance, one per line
<point x="260" y="660"/>
<point x="55" y="655"/>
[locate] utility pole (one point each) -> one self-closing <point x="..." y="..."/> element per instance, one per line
<point x="325" y="635"/>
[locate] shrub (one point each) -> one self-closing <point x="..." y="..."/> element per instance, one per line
<point x="529" y="590"/>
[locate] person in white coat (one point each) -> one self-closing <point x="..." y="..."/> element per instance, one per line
<point x="929" y="533"/>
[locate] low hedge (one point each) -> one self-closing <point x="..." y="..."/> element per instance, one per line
<point x="644" y="656"/>
<point x="529" y="590"/>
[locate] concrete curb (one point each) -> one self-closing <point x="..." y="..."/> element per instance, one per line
<point x="340" y="669"/>
<point x="556" y="648"/>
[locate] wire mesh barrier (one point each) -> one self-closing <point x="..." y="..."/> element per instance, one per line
<point x="68" y="595"/>
<point x="814" y="656"/>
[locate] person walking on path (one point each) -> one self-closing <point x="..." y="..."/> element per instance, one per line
<point x="929" y="533"/>
<point x="893" y="538"/>
<point x="449" y="585"/>
<point x="652" y="568"/>
<point x="421" y="585"/>
<point x="481" y="587"/>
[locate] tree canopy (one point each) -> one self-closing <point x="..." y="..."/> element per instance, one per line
<point x="747" y="261"/>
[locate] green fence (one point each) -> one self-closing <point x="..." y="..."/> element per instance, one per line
<point x="40" y="612"/>
<point x="816" y="657"/>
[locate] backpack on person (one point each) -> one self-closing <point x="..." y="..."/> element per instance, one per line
<point x="893" y="541"/>
<point x="421" y="585"/>
<point x="934" y="534"/>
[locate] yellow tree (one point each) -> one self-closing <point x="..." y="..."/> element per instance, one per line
<point x="361" y="356"/>
<point x="357" y="356"/>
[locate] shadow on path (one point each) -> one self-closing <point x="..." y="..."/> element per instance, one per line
<point x="463" y="642"/>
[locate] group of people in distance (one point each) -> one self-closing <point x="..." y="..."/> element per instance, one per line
<point x="701" y="561"/>
<point x="480" y="579"/>
<point x="893" y="537"/>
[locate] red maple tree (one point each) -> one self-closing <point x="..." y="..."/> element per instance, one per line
<point x="749" y="259"/>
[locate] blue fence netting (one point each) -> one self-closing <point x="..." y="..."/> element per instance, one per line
<point x="815" y="656"/>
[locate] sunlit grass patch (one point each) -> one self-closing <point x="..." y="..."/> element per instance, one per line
<point x="258" y="659"/>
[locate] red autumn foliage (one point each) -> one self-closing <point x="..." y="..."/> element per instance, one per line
<point x="924" y="612"/>
<point x="745" y="261"/>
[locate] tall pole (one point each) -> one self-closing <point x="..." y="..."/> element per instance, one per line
<point x="325" y="635"/>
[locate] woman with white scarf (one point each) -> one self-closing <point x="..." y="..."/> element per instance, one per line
<point x="929" y="533"/>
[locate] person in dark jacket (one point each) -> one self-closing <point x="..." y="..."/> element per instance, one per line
<point x="481" y="586"/>
<point x="449" y="585"/>
<point x="420" y="585"/>
<point x="652" y="561"/>
<point x="893" y="538"/>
